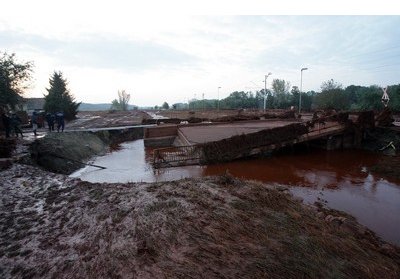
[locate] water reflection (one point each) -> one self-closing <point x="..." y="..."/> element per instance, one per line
<point x="339" y="178"/>
<point x="317" y="168"/>
<point x="132" y="163"/>
<point x="374" y="202"/>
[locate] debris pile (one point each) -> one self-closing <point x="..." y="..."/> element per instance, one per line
<point x="385" y="118"/>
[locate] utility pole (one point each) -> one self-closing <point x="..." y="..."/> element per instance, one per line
<point x="265" y="89"/>
<point x="301" y="86"/>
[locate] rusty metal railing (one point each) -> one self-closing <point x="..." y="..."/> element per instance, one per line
<point x="176" y="156"/>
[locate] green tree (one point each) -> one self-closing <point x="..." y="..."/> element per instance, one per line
<point x="280" y="86"/>
<point x="165" y="105"/>
<point x="307" y="100"/>
<point x="369" y="98"/>
<point x="282" y="98"/>
<point x="59" y="98"/>
<point x="394" y="95"/>
<point x="352" y="94"/>
<point x="241" y="99"/>
<point x="330" y="85"/>
<point x="332" y="96"/>
<point x="122" y="102"/>
<point x="13" y="79"/>
<point x="295" y="92"/>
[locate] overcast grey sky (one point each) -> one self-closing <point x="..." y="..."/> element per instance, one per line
<point x="157" y="54"/>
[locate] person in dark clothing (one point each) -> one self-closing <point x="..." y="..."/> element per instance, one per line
<point x="60" y="121"/>
<point x="15" y="124"/>
<point x="50" y="121"/>
<point x="7" y="123"/>
<point x="34" y="121"/>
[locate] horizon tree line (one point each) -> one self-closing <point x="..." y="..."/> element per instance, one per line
<point x="15" y="77"/>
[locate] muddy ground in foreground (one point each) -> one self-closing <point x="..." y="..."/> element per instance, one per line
<point x="55" y="227"/>
<point x="52" y="226"/>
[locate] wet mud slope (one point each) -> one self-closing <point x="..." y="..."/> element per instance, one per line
<point x="66" y="152"/>
<point x="52" y="226"/>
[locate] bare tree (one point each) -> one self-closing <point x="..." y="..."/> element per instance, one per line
<point x="122" y="102"/>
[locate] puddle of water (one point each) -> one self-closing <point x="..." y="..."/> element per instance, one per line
<point x="341" y="178"/>
<point x="132" y="164"/>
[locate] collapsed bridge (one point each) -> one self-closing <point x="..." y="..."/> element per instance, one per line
<point x="207" y="143"/>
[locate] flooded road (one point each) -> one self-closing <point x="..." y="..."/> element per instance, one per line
<point x="339" y="179"/>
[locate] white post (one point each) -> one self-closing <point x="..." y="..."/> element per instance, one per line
<point x="301" y="87"/>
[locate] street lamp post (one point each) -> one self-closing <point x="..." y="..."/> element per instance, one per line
<point x="265" y="89"/>
<point x="218" y="97"/>
<point x="301" y="86"/>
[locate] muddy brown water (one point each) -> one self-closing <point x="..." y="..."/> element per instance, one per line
<point x="339" y="179"/>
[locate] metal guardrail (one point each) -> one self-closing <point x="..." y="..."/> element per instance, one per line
<point x="176" y="156"/>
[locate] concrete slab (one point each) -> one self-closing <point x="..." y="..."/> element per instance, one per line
<point x="215" y="132"/>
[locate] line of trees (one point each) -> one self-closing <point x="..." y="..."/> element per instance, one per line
<point x="282" y="96"/>
<point x="15" y="77"/>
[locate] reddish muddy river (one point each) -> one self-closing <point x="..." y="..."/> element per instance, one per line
<point x="341" y="179"/>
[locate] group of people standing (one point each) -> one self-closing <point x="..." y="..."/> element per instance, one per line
<point x="12" y="122"/>
<point x="58" y="118"/>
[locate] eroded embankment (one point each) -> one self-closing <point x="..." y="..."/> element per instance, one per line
<point x="54" y="226"/>
<point x="67" y="152"/>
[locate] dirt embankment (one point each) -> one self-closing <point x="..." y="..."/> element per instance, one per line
<point x="55" y="227"/>
<point x="66" y="152"/>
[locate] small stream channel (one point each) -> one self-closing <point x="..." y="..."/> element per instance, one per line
<point x="340" y="179"/>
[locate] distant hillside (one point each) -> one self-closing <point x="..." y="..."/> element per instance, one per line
<point x="94" y="107"/>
